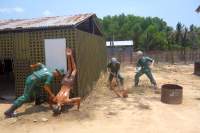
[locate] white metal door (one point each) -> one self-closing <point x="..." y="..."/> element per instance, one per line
<point x="55" y="56"/>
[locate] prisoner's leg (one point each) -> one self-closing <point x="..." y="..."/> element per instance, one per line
<point x="121" y="86"/>
<point x="69" y="64"/>
<point x="137" y="77"/>
<point x="117" y="92"/>
<point x="116" y="87"/>
<point x="73" y="65"/>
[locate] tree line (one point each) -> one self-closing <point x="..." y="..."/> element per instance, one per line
<point x="150" y="33"/>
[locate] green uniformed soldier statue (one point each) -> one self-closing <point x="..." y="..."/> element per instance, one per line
<point x="143" y="67"/>
<point x="40" y="76"/>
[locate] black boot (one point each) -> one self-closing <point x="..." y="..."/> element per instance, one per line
<point x="10" y="112"/>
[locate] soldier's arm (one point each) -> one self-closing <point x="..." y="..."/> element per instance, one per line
<point x="152" y="63"/>
<point x="47" y="86"/>
<point x="118" y="67"/>
<point x="36" y="66"/>
<point x="151" y="60"/>
<point x="48" y="89"/>
<point x="108" y="67"/>
<point x="138" y="66"/>
<point x="138" y="63"/>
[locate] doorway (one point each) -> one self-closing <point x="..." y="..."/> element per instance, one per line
<point x="7" y="80"/>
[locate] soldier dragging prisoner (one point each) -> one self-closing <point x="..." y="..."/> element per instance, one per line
<point x="40" y="76"/>
<point x="115" y="78"/>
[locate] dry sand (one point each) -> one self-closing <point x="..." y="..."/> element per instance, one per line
<point x="103" y="112"/>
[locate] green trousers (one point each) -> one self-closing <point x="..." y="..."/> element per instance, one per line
<point x="119" y="76"/>
<point x="31" y="89"/>
<point x="148" y="74"/>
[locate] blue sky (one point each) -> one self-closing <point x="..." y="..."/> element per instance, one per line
<point x="172" y="11"/>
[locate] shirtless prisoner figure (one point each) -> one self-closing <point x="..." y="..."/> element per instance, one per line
<point x="62" y="98"/>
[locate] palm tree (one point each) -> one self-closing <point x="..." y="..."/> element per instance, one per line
<point x="179" y="29"/>
<point x="198" y="10"/>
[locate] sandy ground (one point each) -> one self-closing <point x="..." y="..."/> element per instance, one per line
<point x="102" y="111"/>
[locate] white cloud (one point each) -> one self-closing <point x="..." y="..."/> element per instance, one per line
<point x="18" y="9"/>
<point x="47" y="13"/>
<point x="4" y="10"/>
<point x="12" y="10"/>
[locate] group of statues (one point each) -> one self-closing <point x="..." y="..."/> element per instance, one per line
<point x="143" y="66"/>
<point x="42" y="76"/>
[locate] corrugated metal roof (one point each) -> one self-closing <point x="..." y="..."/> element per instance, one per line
<point x="119" y="43"/>
<point x="44" y="22"/>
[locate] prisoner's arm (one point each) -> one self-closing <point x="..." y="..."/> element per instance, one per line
<point x="49" y="91"/>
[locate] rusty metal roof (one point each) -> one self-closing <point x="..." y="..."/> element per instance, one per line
<point x="43" y="22"/>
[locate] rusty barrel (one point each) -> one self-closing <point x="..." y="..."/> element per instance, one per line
<point x="197" y="68"/>
<point x="171" y="94"/>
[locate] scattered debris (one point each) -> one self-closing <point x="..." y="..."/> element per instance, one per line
<point x="144" y="106"/>
<point x="11" y="121"/>
<point x="34" y="120"/>
<point x="44" y="119"/>
<point x="112" y="113"/>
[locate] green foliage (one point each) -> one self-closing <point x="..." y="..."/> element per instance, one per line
<point x="150" y="33"/>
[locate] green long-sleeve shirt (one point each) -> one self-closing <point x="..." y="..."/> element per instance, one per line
<point x="43" y="75"/>
<point x="144" y="62"/>
<point x="114" y="67"/>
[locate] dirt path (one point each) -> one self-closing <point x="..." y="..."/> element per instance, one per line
<point x="102" y="111"/>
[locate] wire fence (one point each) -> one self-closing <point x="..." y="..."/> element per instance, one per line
<point x="171" y="57"/>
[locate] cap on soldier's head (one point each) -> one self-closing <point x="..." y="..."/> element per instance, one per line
<point x="113" y="60"/>
<point x="60" y="71"/>
<point x="139" y="52"/>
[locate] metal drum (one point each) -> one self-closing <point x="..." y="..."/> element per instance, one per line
<point x="171" y="94"/>
<point x="197" y="68"/>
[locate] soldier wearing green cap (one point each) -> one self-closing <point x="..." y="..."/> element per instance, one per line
<point x="40" y="76"/>
<point x="143" y="67"/>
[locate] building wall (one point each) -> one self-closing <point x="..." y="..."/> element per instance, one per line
<point x="27" y="48"/>
<point x="91" y="60"/>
